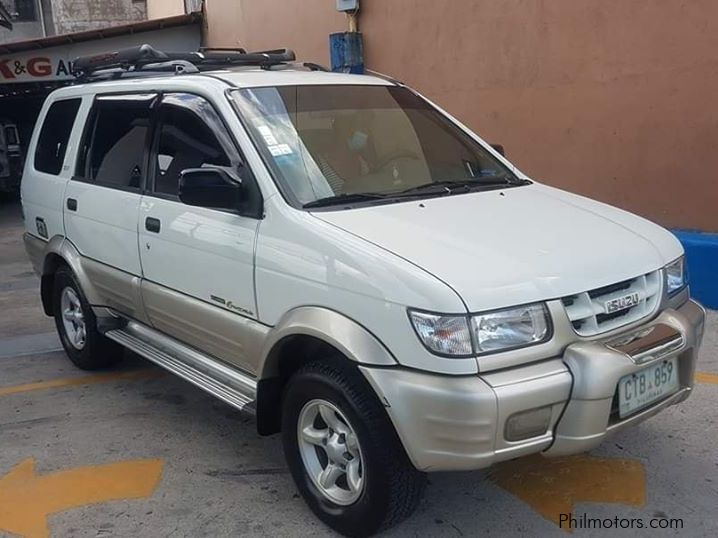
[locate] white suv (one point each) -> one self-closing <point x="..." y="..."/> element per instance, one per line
<point x="341" y="257"/>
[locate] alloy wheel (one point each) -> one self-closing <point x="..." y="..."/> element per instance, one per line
<point x="330" y="452"/>
<point x="73" y="320"/>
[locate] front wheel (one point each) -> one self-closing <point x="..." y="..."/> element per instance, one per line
<point x="343" y="452"/>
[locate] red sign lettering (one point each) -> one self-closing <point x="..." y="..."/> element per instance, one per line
<point x="39" y="67"/>
<point x="5" y="70"/>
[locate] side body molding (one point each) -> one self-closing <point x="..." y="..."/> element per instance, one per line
<point x="346" y="335"/>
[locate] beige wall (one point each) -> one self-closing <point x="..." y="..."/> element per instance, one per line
<point x="302" y="25"/>
<point x="614" y="99"/>
<point x="159" y="9"/>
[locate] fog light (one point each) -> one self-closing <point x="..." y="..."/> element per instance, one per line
<point x="527" y="424"/>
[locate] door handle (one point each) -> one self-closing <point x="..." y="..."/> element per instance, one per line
<point x="152" y="225"/>
<point x="72" y="204"/>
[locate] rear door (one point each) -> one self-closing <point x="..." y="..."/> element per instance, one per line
<point x="102" y="199"/>
<point x="198" y="262"/>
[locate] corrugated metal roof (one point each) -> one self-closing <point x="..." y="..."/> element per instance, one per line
<point x="112" y="31"/>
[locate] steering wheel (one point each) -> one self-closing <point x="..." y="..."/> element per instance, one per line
<point x="393" y="156"/>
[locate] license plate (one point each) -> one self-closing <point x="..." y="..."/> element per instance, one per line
<point x="642" y="388"/>
<point x="621" y="303"/>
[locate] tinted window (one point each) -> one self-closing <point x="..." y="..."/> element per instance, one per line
<point x="114" y="149"/>
<point x="55" y="133"/>
<point x="188" y="138"/>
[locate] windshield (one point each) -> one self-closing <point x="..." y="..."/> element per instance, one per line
<point x="361" y="142"/>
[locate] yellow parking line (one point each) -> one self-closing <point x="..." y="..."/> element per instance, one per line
<point x="703" y="377"/>
<point x="82" y="380"/>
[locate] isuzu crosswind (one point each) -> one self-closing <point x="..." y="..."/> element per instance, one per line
<point x="341" y="257"/>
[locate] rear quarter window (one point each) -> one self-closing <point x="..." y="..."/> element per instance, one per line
<point x="54" y="136"/>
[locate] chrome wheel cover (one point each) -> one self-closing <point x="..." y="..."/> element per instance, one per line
<point x="73" y="320"/>
<point x="330" y="452"/>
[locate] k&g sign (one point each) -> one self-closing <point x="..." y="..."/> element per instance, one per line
<point x="54" y="63"/>
<point x="36" y="67"/>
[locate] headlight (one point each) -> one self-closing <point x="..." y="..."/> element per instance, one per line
<point x="451" y="335"/>
<point x="510" y="328"/>
<point x="676" y="277"/>
<point x="444" y="335"/>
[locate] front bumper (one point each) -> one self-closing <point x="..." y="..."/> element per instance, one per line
<point x="459" y="423"/>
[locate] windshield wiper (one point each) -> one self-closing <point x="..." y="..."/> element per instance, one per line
<point x="345" y="198"/>
<point x="448" y="187"/>
<point x="434" y="187"/>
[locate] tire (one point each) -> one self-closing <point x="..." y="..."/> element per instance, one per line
<point x="387" y="488"/>
<point x="88" y="350"/>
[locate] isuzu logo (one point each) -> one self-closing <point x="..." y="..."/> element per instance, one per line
<point x="621" y="303"/>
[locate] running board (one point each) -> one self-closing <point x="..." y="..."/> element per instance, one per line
<point x="228" y="384"/>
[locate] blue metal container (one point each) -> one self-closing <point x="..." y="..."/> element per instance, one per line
<point x="347" y="52"/>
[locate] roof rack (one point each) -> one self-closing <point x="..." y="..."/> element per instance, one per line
<point x="314" y="67"/>
<point x="145" y="60"/>
<point x="222" y="49"/>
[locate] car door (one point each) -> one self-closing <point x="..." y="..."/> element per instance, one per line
<point x="102" y="199"/>
<point x="197" y="262"/>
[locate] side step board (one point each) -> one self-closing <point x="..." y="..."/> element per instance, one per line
<point x="228" y="384"/>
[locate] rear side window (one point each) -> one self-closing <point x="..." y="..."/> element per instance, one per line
<point x="55" y="133"/>
<point x="113" y="152"/>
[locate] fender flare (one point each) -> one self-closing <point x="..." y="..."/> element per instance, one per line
<point x="350" y="338"/>
<point x="353" y="340"/>
<point x="60" y="248"/>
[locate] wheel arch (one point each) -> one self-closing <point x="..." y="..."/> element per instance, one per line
<point x="302" y="335"/>
<point x="61" y="252"/>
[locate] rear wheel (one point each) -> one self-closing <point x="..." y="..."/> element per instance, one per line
<point x="343" y="452"/>
<point x="77" y="326"/>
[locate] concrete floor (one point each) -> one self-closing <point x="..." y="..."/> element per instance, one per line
<point x="191" y="466"/>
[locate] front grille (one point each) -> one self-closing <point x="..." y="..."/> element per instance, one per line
<point x="605" y="290"/>
<point x="587" y="310"/>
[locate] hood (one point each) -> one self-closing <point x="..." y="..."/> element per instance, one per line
<point x="514" y="246"/>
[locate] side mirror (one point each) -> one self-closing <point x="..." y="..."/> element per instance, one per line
<point x="209" y="187"/>
<point x="498" y="148"/>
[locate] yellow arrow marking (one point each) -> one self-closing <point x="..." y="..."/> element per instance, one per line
<point x="82" y="380"/>
<point x="551" y="486"/>
<point x="26" y="499"/>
